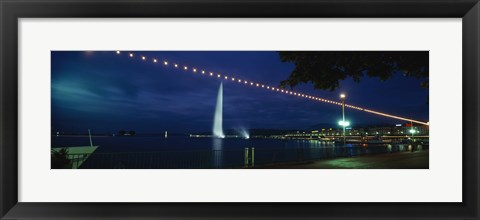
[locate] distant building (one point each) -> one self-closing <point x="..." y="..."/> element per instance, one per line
<point x="392" y="130"/>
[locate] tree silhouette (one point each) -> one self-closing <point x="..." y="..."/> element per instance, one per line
<point x="325" y="69"/>
<point x="59" y="159"/>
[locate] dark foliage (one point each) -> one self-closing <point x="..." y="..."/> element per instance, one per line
<point x="325" y="69"/>
<point x="59" y="159"/>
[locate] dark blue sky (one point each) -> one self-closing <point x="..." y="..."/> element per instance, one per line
<point x="105" y="91"/>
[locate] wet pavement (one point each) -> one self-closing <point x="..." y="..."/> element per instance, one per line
<point x="402" y="160"/>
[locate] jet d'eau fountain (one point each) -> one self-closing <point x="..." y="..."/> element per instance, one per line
<point x="217" y="120"/>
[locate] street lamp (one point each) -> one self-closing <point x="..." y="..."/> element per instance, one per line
<point x="344" y="123"/>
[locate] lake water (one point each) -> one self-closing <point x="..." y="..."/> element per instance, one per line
<point x="141" y="144"/>
<point x="184" y="152"/>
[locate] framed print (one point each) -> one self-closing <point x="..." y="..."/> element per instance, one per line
<point x="209" y="109"/>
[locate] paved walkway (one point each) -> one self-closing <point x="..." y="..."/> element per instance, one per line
<point x="403" y="160"/>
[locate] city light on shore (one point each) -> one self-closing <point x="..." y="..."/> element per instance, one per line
<point x="301" y="95"/>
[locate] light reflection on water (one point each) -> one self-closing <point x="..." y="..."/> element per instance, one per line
<point x="145" y="143"/>
<point x="184" y="152"/>
<point x="217" y="148"/>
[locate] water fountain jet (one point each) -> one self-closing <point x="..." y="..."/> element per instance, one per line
<point x="244" y="133"/>
<point x="218" y="118"/>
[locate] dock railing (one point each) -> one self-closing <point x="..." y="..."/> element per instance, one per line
<point x="248" y="157"/>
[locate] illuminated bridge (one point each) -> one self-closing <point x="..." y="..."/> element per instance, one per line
<point x="259" y="85"/>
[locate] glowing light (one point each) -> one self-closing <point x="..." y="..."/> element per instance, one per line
<point x="268" y="87"/>
<point x="233" y="79"/>
<point x="154" y="60"/>
<point x="245" y="81"/>
<point x="218" y="75"/>
<point x="185" y="68"/>
<point x="257" y="84"/>
<point x="239" y="81"/>
<point x="118" y="52"/>
<point x="251" y="84"/>
<point x="344" y="123"/>
<point x="342" y="96"/>
<point x="203" y="71"/>
<point x="131" y="54"/>
<point x="194" y="70"/>
<point x="165" y="63"/>
<point x="143" y="58"/>
<point x="211" y="74"/>
<point x="226" y="77"/>
<point x="393" y="116"/>
<point x="263" y="86"/>
<point x="176" y="65"/>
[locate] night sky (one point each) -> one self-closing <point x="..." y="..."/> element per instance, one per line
<point x="107" y="92"/>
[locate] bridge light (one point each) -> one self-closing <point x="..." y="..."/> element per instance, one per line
<point x="343" y="96"/>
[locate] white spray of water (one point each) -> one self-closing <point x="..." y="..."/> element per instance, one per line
<point x="244" y="133"/>
<point x="217" y="120"/>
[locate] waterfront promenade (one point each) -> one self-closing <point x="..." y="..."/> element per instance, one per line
<point x="400" y="160"/>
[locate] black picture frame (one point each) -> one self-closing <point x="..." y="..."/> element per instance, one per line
<point x="12" y="10"/>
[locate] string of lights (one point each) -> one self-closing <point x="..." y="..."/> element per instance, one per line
<point x="224" y="77"/>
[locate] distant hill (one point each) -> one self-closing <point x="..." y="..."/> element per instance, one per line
<point x="361" y="125"/>
<point x="322" y="125"/>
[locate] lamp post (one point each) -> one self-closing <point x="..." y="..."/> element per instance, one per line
<point x="412" y="130"/>
<point x="342" y="96"/>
